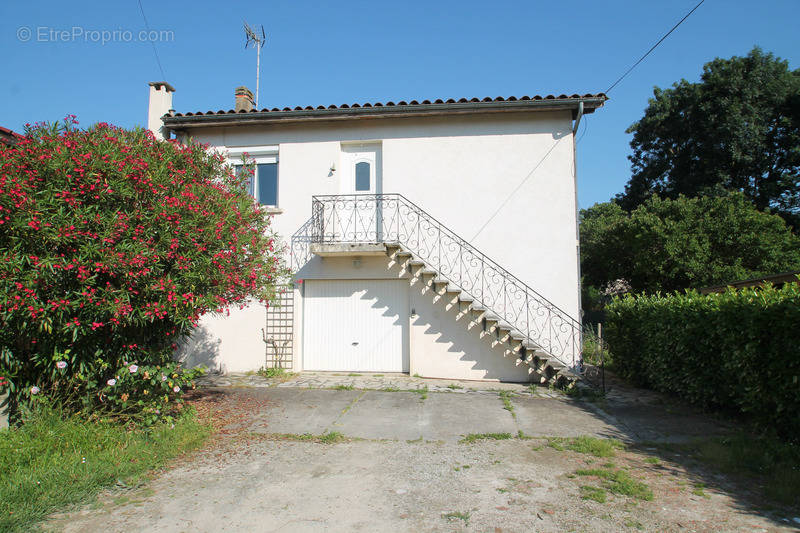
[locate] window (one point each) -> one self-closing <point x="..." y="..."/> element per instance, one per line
<point x="263" y="184"/>
<point x="362" y="176"/>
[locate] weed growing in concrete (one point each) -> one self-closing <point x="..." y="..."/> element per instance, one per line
<point x="505" y="396"/>
<point x="332" y="437"/>
<point x="458" y="515"/>
<point x="473" y="437"/>
<point x="353" y="374"/>
<point x="453" y="386"/>
<point x="343" y="387"/>
<point x="390" y="389"/>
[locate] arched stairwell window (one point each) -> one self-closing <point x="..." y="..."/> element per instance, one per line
<point x="362" y="175"/>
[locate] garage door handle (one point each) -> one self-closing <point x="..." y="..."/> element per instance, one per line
<point x="355" y="344"/>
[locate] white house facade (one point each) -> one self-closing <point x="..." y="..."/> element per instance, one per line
<point x="432" y="238"/>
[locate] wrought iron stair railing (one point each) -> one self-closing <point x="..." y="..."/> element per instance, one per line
<point x="393" y="219"/>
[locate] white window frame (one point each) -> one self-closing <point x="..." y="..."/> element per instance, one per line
<point x="258" y="155"/>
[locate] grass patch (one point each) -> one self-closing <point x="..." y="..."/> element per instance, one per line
<point x="750" y="457"/>
<point x="593" y="493"/>
<point x="585" y="444"/>
<point x="55" y="461"/>
<point x="698" y="490"/>
<point x="353" y="374"/>
<point x="458" y="515"/>
<point x="473" y="437"/>
<point x="453" y="386"/>
<point x="326" y="438"/>
<point x="589" y="394"/>
<point x="619" y="482"/>
<point x="635" y="524"/>
<point x="343" y="387"/>
<point x="423" y="392"/>
<point x="652" y="460"/>
<point x="505" y="396"/>
<point x="390" y="389"/>
<point x="272" y="373"/>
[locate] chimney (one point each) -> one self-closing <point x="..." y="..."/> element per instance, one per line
<point x="244" y="99"/>
<point x="160" y="105"/>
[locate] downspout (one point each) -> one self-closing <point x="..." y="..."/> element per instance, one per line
<point x="578" y="117"/>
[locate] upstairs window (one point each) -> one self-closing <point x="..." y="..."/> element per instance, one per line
<point x="263" y="183"/>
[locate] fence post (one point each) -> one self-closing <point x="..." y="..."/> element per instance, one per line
<point x="602" y="355"/>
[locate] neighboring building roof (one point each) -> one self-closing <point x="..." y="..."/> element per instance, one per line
<point x="775" y="279"/>
<point x="380" y="110"/>
<point x="8" y="137"/>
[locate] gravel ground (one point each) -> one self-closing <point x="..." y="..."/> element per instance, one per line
<point x="245" y="481"/>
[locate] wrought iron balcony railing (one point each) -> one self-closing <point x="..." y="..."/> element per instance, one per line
<point x="393" y="219"/>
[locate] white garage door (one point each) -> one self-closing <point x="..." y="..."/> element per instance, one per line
<point x="355" y="325"/>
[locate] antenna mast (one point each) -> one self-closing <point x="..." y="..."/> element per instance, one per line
<point x="251" y="37"/>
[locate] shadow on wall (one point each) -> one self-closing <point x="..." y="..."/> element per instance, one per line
<point x="201" y="348"/>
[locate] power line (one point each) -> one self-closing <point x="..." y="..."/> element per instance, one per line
<point x="654" y="46"/>
<point x="153" y="44"/>
<point x="518" y="187"/>
<point x="585" y="127"/>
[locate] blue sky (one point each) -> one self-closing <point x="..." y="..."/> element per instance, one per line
<point x="344" y="52"/>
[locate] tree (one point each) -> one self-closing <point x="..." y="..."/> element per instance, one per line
<point x="112" y="245"/>
<point x="738" y="129"/>
<point x="666" y="244"/>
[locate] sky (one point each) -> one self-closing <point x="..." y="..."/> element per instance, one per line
<point x="55" y="62"/>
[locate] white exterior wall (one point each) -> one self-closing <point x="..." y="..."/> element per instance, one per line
<point x="459" y="169"/>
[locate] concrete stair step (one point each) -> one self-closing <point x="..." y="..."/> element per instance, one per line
<point x="515" y="343"/>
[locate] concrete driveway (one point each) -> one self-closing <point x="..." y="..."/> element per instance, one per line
<point x="400" y="462"/>
<point x="450" y="416"/>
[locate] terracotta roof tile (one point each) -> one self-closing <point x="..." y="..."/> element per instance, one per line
<point x="412" y="103"/>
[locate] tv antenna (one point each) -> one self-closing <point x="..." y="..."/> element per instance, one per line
<point x="258" y="42"/>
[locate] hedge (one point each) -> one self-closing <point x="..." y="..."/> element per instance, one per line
<point x="737" y="351"/>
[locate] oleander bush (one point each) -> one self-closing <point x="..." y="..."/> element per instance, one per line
<point x="737" y="351"/>
<point x="112" y="245"/>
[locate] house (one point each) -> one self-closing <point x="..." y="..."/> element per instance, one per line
<point x="8" y="136"/>
<point x="436" y="238"/>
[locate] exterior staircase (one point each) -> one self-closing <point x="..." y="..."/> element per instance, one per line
<point x="488" y="298"/>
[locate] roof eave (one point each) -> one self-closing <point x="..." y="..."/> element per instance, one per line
<point x="353" y="113"/>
